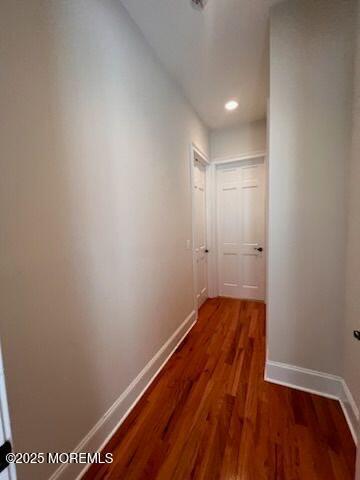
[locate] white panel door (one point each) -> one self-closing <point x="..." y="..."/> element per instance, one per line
<point x="241" y="231"/>
<point x="200" y="232"/>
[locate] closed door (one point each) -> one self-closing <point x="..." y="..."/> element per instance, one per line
<point x="5" y="434"/>
<point x="241" y="231"/>
<point x="200" y="232"/>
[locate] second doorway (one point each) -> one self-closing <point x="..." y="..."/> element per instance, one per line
<point x="241" y="230"/>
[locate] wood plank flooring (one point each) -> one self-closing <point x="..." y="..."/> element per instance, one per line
<point x="210" y="415"/>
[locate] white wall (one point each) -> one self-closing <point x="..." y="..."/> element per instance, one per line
<point x="95" y="214"/>
<point x="310" y="121"/>
<point x="240" y="139"/>
<point x="352" y="319"/>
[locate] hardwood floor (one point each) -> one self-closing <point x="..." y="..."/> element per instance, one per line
<point x="210" y="415"/>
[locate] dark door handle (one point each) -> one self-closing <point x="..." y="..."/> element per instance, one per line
<point x="206" y="251"/>
<point x="260" y="249"/>
<point x="357" y="334"/>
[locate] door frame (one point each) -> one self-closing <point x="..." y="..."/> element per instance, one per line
<point x="246" y="159"/>
<point x="197" y="154"/>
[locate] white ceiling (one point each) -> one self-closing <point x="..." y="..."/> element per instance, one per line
<point x="215" y="55"/>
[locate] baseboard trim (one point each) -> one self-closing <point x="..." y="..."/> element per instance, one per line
<point x="319" y="383"/>
<point x="351" y="411"/>
<point x="104" y="429"/>
<point x="304" y="379"/>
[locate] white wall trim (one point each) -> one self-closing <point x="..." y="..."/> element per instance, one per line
<point x="304" y="379"/>
<point x="319" y="383"/>
<point x="351" y="411"/>
<point x="238" y="158"/>
<point x="104" y="429"/>
<point x="197" y="153"/>
<point x="193" y="152"/>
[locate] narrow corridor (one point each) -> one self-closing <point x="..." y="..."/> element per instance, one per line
<point x="209" y="414"/>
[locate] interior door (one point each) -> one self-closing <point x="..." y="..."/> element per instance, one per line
<point x="5" y="433"/>
<point x="200" y="232"/>
<point x="241" y="231"/>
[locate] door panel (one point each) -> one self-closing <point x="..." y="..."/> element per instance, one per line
<point x="200" y="232"/>
<point x="230" y="273"/>
<point x="249" y="271"/>
<point x="228" y="231"/>
<point x="230" y="228"/>
<point x="241" y="231"/>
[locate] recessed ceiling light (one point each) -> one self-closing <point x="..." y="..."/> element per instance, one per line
<point x="231" y="105"/>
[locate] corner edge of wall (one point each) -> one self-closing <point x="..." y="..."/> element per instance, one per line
<point x="318" y="383"/>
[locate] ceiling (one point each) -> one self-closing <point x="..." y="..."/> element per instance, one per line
<point x="215" y="55"/>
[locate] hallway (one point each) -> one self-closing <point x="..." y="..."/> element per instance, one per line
<point x="209" y="414"/>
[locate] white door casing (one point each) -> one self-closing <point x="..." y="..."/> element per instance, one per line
<point x="200" y="231"/>
<point x="241" y="230"/>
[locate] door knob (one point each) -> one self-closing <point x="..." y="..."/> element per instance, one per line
<point x="206" y="251"/>
<point x="259" y="249"/>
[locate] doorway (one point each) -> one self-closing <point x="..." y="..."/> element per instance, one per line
<point x="199" y="164"/>
<point x="240" y="188"/>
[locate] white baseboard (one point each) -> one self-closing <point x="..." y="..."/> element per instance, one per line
<point x="351" y="412"/>
<point x="304" y="379"/>
<point x="101" y="433"/>
<point x="319" y="383"/>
